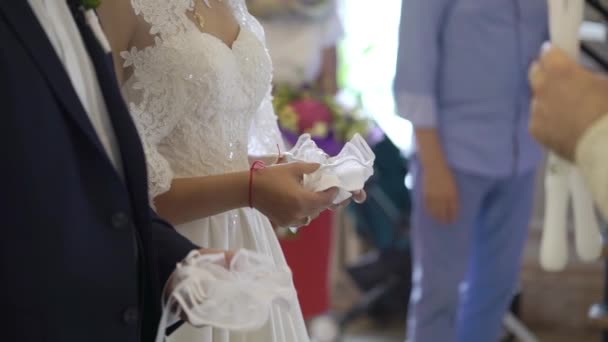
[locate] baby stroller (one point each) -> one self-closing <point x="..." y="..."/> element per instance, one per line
<point x="383" y="274"/>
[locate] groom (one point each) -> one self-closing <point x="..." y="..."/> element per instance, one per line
<point x="82" y="257"/>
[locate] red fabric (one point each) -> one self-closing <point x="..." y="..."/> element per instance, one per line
<point x="309" y="256"/>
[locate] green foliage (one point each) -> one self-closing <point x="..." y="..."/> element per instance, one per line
<point x="90" y="4"/>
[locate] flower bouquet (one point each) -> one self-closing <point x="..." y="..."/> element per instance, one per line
<point x="329" y="123"/>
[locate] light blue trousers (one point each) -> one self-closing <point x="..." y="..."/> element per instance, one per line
<point x="466" y="273"/>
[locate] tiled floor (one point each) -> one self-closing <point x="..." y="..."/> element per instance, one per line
<point x="555" y="305"/>
<point x="365" y="332"/>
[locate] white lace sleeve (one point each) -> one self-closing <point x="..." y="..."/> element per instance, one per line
<point x="146" y="92"/>
<point x="264" y="134"/>
<point x="157" y="94"/>
<point x="160" y="174"/>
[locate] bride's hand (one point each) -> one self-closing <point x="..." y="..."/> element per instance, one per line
<point x="268" y="159"/>
<point x="357" y="196"/>
<point x="278" y="193"/>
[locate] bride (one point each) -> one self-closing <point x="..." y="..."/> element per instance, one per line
<point x="197" y="76"/>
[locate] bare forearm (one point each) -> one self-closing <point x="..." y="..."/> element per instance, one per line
<point x="430" y="151"/>
<point x="194" y="198"/>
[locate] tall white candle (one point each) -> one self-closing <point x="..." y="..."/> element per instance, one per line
<point x="554" y="243"/>
<point x="586" y="225"/>
<point x="565" y="19"/>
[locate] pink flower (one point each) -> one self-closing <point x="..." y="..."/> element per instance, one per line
<point x="311" y="112"/>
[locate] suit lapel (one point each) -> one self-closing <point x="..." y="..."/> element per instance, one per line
<point x="134" y="163"/>
<point x="132" y="154"/>
<point x="20" y="16"/>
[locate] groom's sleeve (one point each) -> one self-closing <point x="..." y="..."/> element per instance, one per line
<point x="170" y="246"/>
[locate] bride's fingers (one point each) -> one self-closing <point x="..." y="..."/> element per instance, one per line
<point x="359" y="196"/>
<point x="307" y="220"/>
<point x="344" y="204"/>
<point x="229" y="255"/>
<point x="300" y="169"/>
<point x="319" y="201"/>
<point x="282" y="159"/>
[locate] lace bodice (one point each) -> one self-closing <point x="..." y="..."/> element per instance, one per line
<point x="198" y="103"/>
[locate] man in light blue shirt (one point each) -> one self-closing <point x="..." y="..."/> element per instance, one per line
<point x="462" y="81"/>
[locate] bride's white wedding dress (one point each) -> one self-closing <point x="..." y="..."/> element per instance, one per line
<point x="201" y="107"/>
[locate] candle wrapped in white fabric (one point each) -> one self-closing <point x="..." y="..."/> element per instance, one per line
<point x="563" y="180"/>
<point x="237" y="297"/>
<point x="348" y="171"/>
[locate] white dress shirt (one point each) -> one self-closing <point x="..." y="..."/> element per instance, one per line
<point x="57" y="21"/>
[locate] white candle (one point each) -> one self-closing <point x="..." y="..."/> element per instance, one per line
<point x="554" y="242"/>
<point x="565" y="19"/>
<point x="586" y="226"/>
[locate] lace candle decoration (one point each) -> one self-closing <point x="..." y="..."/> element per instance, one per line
<point x="563" y="180"/>
<point x="348" y="171"/>
<point x="236" y="297"/>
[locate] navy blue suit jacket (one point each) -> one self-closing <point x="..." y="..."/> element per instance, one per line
<point x="82" y="256"/>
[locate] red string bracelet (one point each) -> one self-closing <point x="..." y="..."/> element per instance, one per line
<point x="280" y="154"/>
<point x="257" y="165"/>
